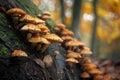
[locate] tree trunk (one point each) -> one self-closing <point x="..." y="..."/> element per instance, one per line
<point x="76" y="17"/>
<point x="62" y="11"/>
<point x="93" y="40"/>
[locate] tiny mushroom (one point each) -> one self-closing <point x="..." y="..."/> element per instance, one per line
<point x="46" y="15"/>
<point x="19" y="53"/>
<point x="48" y="61"/>
<point x="56" y="53"/>
<point x="67" y="32"/>
<point x="85" y="75"/>
<point x="60" y="25"/>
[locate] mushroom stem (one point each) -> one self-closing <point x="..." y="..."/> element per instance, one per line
<point x="33" y="45"/>
<point x="44" y="47"/>
<point x="38" y="47"/>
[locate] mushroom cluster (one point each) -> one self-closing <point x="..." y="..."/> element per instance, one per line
<point x="77" y="53"/>
<point x="34" y="29"/>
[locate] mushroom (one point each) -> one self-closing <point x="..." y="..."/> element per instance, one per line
<point x="87" y="60"/>
<point x="99" y="77"/>
<point x="95" y="71"/>
<point x="85" y="75"/>
<point x="48" y="61"/>
<point x="72" y="54"/>
<point x="19" y="53"/>
<point x="66" y="38"/>
<point x="88" y="66"/>
<point x="60" y="25"/>
<point x="47" y="13"/>
<point x="16" y="12"/>
<point x="53" y="38"/>
<point x="31" y="28"/>
<point x="67" y="32"/>
<point x="85" y="52"/>
<point x="39" y="39"/>
<point x="71" y="44"/>
<point x="44" y="29"/>
<point x="56" y="53"/>
<point x="72" y="60"/>
<point x="28" y="18"/>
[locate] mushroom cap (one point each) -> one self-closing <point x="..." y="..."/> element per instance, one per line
<point x="30" y="27"/>
<point x="99" y="77"/>
<point x="60" y="25"/>
<point x="45" y="17"/>
<point x="66" y="38"/>
<point x="38" y="39"/>
<point x="89" y="66"/>
<point x="85" y="75"/>
<point x="53" y="37"/>
<point x="72" y="54"/>
<point x="67" y="32"/>
<point x="85" y="51"/>
<point x="57" y="29"/>
<point x="72" y="60"/>
<point x="87" y="60"/>
<point x="28" y="18"/>
<point x="73" y="43"/>
<point x="19" y="53"/>
<point x="15" y="11"/>
<point x="95" y="71"/>
<point x="47" y="13"/>
<point x="43" y="27"/>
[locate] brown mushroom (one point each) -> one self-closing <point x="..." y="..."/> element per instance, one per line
<point x="88" y="66"/>
<point x="72" y="60"/>
<point x="16" y="12"/>
<point x="38" y="39"/>
<point x="28" y="18"/>
<point x="60" y="25"/>
<point x="66" y="38"/>
<point x="48" y="61"/>
<point x="56" y="53"/>
<point x="47" y="13"/>
<point x="72" y="54"/>
<point x="85" y="51"/>
<point x="19" y="53"/>
<point x="85" y="75"/>
<point x="95" y="71"/>
<point x="99" y="77"/>
<point x="67" y="32"/>
<point x="53" y="38"/>
<point x="31" y="28"/>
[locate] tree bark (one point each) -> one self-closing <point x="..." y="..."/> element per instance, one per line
<point x="93" y="40"/>
<point x="76" y="17"/>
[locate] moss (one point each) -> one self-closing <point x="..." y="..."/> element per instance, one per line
<point x="4" y="51"/>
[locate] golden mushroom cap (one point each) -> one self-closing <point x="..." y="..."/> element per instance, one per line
<point x="43" y="27"/>
<point x="85" y="75"/>
<point x="89" y="66"/>
<point x="30" y="27"/>
<point x="38" y="39"/>
<point x="72" y="60"/>
<point x="66" y="38"/>
<point x="15" y="11"/>
<point x="85" y="51"/>
<point x="87" y="60"/>
<point x="19" y="53"/>
<point x="53" y="37"/>
<point x="47" y="13"/>
<point x="60" y="25"/>
<point x="95" y="71"/>
<point x="72" y="43"/>
<point x="72" y="54"/>
<point x="28" y="18"/>
<point x="99" y="77"/>
<point x="67" y="32"/>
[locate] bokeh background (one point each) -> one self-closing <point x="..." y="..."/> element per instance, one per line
<point x="95" y="22"/>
